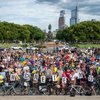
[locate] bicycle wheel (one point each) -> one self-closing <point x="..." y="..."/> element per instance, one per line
<point x="63" y="92"/>
<point x="30" y="91"/>
<point x="82" y="91"/>
<point x="12" y="92"/>
<point x="2" y="92"/>
<point x="72" y="93"/>
<point x="26" y="91"/>
<point x="18" y="90"/>
<point x="58" y="91"/>
<point x="93" y="91"/>
<point x="88" y="92"/>
<point x="97" y="90"/>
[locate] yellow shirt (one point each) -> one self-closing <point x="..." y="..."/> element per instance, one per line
<point x="1" y="79"/>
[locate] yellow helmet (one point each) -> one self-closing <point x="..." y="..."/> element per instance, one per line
<point x="1" y="77"/>
<point x="34" y="71"/>
<point x="24" y="62"/>
<point x="55" y="69"/>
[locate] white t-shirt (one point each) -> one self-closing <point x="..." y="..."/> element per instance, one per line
<point x="48" y="72"/>
<point x="74" y="76"/>
<point x="2" y="66"/>
<point x="80" y="74"/>
<point x="3" y="74"/>
<point x="60" y="73"/>
<point x="8" y="58"/>
<point x="5" y="60"/>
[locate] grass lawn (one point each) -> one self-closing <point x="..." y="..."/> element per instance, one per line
<point x="87" y="45"/>
<point x="7" y="45"/>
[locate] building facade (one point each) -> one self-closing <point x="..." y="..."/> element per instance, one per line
<point x="61" y="22"/>
<point x="74" y="16"/>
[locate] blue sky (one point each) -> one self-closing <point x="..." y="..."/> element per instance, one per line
<point x="43" y="12"/>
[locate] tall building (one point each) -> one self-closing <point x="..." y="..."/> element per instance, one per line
<point x="74" y="16"/>
<point x="61" y="22"/>
<point x="93" y="20"/>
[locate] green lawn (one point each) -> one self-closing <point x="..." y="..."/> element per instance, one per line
<point x="87" y="45"/>
<point x="7" y="45"/>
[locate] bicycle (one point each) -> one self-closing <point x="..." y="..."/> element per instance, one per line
<point x="6" y="89"/>
<point x="77" y="89"/>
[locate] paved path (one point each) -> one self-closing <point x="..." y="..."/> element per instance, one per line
<point x="49" y="98"/>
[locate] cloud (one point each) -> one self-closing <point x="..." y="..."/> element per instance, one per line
<point x="43" y="12"/>
<point x="48" y="1"/>
<point x="92" y="6"/>
<point x="29" y="12"/>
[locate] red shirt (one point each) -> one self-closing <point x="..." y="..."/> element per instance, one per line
<point x="68" y="73"/>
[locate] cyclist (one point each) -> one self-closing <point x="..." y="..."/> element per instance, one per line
<point x="91" y="81"/>
<point x="74" y="76"/>
<point x="1" y="79"/>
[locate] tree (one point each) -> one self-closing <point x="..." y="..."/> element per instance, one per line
<point x="87" y="31"/>
<point x="35" y="33"/>
<point x="10" y="32"/>
<point x="1" y="37"/>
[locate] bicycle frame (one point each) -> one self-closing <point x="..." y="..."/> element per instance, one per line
<point x="77" y="89"/>
<point x="7" y="89"/>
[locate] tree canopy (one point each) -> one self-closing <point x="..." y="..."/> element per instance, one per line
<point x="88" y="31"/>
<point x="28" y="33"/>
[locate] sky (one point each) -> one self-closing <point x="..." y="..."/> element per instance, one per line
<point x="41" y="13"/>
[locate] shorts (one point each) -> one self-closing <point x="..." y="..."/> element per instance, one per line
<point x="78" y="81"/>
<point x="90" y="84"/>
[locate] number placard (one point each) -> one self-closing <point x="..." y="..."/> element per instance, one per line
<point x="43" y="79"/>
<point x="12" y="77"/>
<point x="36" y="77"/>
<point x="64" y="80"/>
<point x="26" y="76"/>
<point x="90" y="78"/>
<point x="80" y="75"/>
<point x="54" y="78"/>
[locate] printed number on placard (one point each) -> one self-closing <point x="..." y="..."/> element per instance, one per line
<point x="43" y="79"/>
<point x="36" y="76"/>
<point x="64" y="80"/>
<point x="54" y="78"/>
<point x="80" y="75"/>
<point x="27" y="76"/>
<point x="12" y="77"/>
<point x="90" y="78"/>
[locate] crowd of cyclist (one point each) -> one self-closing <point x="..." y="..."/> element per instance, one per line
<point x="57" y="70"/>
